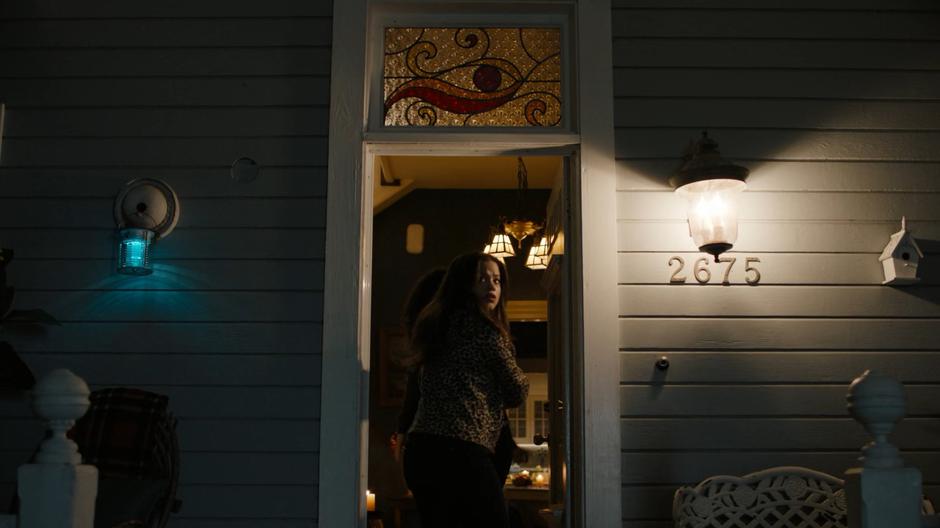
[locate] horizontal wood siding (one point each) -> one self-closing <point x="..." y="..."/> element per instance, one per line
<point x="229" y="325"/>
<point x="835" y="108"/>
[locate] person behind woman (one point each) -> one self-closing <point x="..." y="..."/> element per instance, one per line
<point x="419" y="297"/>
<point x="469" y="376"/>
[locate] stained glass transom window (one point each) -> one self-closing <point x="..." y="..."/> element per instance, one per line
<point x="465" y="77"/>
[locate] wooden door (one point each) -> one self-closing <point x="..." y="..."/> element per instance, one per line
<point x="557" y="282"/>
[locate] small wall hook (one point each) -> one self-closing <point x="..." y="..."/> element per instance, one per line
<point x="663" y="363"/>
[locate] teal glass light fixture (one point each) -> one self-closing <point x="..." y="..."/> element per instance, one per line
<point x="134" y="251"/>
<point x="145" y="211"/>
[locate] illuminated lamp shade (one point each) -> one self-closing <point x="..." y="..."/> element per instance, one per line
<point x="134" y="251"/>
<point x="538" y="255"/>
<point x="500" y="247"/>
<point x="145" y="211"/>
<point x="488" y="249"/>
<point x="711" y="187"/>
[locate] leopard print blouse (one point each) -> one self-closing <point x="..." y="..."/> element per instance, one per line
<point x="465" y="390"/>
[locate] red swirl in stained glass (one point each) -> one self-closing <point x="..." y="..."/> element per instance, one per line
<point x="507" y="77"/>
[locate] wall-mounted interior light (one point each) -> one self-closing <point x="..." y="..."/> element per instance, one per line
<point x="711" y="186"/>
<point x="145" y="211"/>
<point x="414" y="239"/>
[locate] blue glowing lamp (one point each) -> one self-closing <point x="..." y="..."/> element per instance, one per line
<point x="134" y="251"/>
<point x="146" y="210"/>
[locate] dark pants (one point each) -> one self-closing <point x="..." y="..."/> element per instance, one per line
<point x="454" y="483"/>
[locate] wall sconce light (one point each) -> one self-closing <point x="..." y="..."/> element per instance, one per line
<point x="414" y="239"/>
<point x="145" y="211"/>
<point x="711" y="186"/>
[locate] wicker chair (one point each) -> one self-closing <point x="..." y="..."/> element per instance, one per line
<point x="781" y="497"/>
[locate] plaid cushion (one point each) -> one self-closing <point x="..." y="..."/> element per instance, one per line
<point x="119" y="432"/>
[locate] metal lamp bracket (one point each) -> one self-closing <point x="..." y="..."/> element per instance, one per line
<point x="147" y="203"/>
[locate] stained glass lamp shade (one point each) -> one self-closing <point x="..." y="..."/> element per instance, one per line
<point x="500" y="247"/>
<point x="538" y="255"/>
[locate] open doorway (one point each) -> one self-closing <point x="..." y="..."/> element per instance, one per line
<point x="426" y="211"/>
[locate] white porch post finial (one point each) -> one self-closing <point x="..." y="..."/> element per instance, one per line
<point x="58" y="491"/>
<point x="877" y="402"/>
<point x="59" y="399"/>
<point x="882" y="492"/>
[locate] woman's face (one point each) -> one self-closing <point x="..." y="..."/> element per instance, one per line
<point x="487" y="285"/>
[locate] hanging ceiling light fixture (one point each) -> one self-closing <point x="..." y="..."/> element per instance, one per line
<point x="521" y="227"/>
<point x="711" y="186"/>
<point x="500" y="247"/>
<point x="518" y="227"/>
<point x="538" y="255"/>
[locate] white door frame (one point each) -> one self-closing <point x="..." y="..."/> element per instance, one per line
<point x="345" y="354"/>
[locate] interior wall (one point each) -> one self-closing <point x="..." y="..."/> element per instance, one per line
<point x="229" y="325"/>
<point x="833" y="107"/>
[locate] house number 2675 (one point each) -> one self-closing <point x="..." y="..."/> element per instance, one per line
<point x="703" y="275"/>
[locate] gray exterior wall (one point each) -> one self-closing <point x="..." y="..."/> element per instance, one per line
<point x="229" y="325"/>
<point x="834" y="107"/>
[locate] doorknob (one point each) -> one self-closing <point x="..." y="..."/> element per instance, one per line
<point x="559" y="406"/>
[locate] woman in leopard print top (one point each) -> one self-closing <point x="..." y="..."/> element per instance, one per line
<point x="469" y="377"/>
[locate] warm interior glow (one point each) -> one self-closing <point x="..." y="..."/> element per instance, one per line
<point x="538" y="255"/>
<point x="520" y="229"/>
<point x="414" y="239"/>
<point x="712" y="211"/>
<point x="500" y="247"/>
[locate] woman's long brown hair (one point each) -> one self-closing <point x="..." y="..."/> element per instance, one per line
<point x="456" y="293"/>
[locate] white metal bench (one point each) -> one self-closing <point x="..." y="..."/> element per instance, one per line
<point x="781" y="497"/>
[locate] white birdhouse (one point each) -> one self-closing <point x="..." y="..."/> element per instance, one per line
<point x="901" y="257"/>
